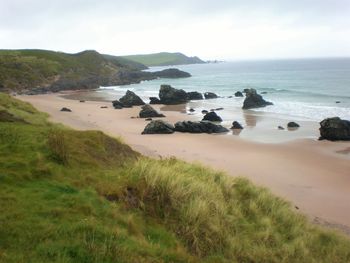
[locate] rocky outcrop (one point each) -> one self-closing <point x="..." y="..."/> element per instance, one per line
<point x="335" y="129"/>
<point x="210" y="95"/>
<point x="293" y="124"/>
<point x="170" y="96"/>
<point x="254" y="100"/>
<point x="158" y="127"/>
<point x="172" y="73"/>
<point x="154" y="100"/>
<point x="148" y="112"/>
<point x="131" y="99"/>
<point x="199" y="127"/>
<point x="194" y="95"/>
<point x="238" y="94"/>
<point x="236" y="125"/>
<point x="212" y="116"/>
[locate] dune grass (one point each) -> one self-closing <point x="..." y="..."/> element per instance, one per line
<point x="71" y="196"/>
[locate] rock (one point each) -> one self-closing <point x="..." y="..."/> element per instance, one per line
<point x="148" y="112"/>
<point x="239" y="94"/>
<point x="230" y="97"/>
<point x="254" y="100"/>
<point x="204" y="111"/>
<point x="210" y="95"/>
<point x="194" y="95"/>
<point x="264" y="92"/>
<point x="236" y="125"/>
<point x="335" y="129"/>
<point x="66" y="109"/>
<point x="280" y="128"/>
<point x="148" y="119"/>
<point x="293" y="124"/>
<point x="217" y="109"/>
<point x="191" y="110"/>
<point x="154" y="100"/>
<point x="246" y="90"/>
<point x="117" y="105"/>
<point x="103" y="107"/>
<point x="81" y="100"/>
<point x="199" y="127"/>
<point x="170" y="96"/>
<point x="337" y="101"/>
<point x="131" y="99"/>
<point x="172" y="73"/>
<point x="212" y="116"/>
<point x="158" y="127"/>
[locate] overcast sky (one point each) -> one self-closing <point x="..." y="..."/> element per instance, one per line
<point x="211" y="29"/>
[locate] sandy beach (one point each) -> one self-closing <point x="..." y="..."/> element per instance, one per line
<point x="313" y="175"/>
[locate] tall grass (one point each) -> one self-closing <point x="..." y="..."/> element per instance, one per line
<point x="58" y="146"/>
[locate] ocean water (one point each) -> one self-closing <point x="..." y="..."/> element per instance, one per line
<point x="301" y="89"/>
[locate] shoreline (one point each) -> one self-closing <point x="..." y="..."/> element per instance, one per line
<point x="312" y="175"/>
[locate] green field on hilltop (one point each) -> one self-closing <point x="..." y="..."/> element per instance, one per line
<point x="82" y="196"/>
<point x="164" y="59"/>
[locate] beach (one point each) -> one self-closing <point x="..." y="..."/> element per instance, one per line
<point x="313" y="175"/>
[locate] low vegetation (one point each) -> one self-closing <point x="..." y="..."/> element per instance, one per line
<point x="73" y="196"/>
<point x="164" y="59"/>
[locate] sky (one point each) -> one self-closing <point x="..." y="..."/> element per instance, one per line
<point x="210" y="29"/>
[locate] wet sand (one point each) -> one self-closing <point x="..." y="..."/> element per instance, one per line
<point x="313" y="175"/>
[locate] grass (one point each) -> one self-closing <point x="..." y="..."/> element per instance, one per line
<point x="164" y="59"/>
<point x="106" y="203"/>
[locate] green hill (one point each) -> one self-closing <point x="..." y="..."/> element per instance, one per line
<point x="164" y="59"/>
<point x="30" y="69"/>
<point x="82" y="196"/>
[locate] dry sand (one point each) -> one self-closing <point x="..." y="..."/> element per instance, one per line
<point x="313" y="175"/>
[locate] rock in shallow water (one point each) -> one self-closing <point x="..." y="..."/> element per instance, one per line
<point x="194" y="95"/>
<point x="236" y="125"/>
<point x="238" y="94"/>
<point x="335" y="129"/>
<point x="293" y="124"/>
<point x="212" y="116"/>
<point x="210" y="95"/>
<point x="254" y="100"/>
<point x="171" y="96"/>
<point x="199" y="127"/>
<point x="158" y="127"/>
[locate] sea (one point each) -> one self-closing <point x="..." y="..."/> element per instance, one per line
<point x="301" y="89"/>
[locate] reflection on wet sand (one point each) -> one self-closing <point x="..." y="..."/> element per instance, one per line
<point x="251" y="119"/>
<point x="178" y="108"/>
<point x="236" y="131"/>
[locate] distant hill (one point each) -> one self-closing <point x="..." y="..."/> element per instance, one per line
<point x="164" y="59"/>
<point x="37" y="71"/>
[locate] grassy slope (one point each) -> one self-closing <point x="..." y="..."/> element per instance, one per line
<point x="163" y="59"/>
<point x="31" y="68"/>
<point x="71" y="196"/>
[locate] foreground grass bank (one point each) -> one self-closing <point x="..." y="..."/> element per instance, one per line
<point x="71" y="196"/>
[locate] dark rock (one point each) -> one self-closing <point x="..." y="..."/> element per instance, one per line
<point x="103" y="107"/>
<point x="264" y="92"/>
<point x="117" y="105"/>
<point x="246" y="90"/>
<point x="148" y="112"/>
<point x="191" y="110"/>
<point x="210" y="95"/>
<point x="204" y="111"/>
<point x="239" y="94"/>
<point x="236" y="125"/>
<point x="254" y="100"/>
<point x="293" y="124"/>
<point x="170" y="96"/>
<point x="81" y="100"/>
<point x="66" y="109"/>
<point x="131" y="99"/>
<point x="194" y="95"/>
<point x="217" y="109"/>
<point x="280" y="128"/>
<point x="172" y="73"/>
<point x="212" y="116"/>
<point x="148" y="119"/>
<point x="158" y="127"/>
<point x="337" y="101"/>
<point x="230" y="97"/>
<point x="154" y="100"/>
<point x="335" y="129"/>
<point x="199" y="127"/>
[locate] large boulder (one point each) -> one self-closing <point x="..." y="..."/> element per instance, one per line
<point x="131" y="99"/>
<point x="335" y="129"/>
<point x="170" y="96"/>
<point x="148" y="112"/>
<point x="238" y="94"/>
<point x="293" y="124"/>
<point x="254" y="100"/>
<point x="199" y="127"/>
<point x="210" y="95"/>
<point x="194" y="95"/>
<point x="212" y="116"/>
<point x="154" y="100"/>
<point x="172" y="73"/>
<point x="158" y="127"/>
<point x="117" y="104"/>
